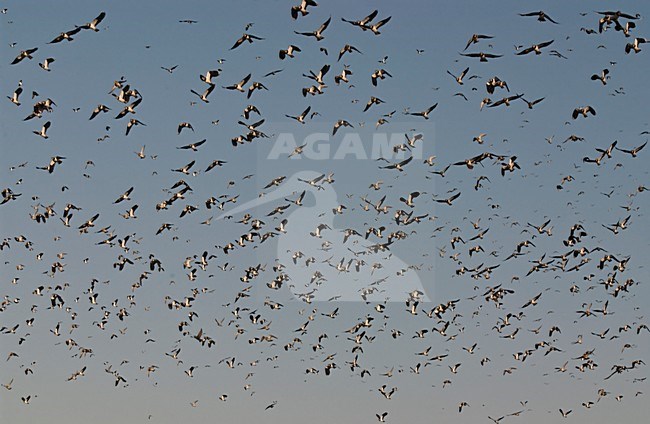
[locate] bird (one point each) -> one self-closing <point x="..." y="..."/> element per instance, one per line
<point x="509" y="166"/>
<point x="379" y="74"/>
<point x="288" y="52"/>
<point x="133" y="122"/>
<point x="300" y="118"/>
<point x="245" y="37"/>
<point x="255" y="86"/>
<point x="209" y="75"/>
<point x="387" y="394"/>
<point x="532" y="302"/>
<point x="373" y="101"/>
<point x="65" y="36"/>
<point x="425" y="113"/>
<point x="129" y="108"/>
<point x="318" y="33"/>
<point x="272" y="73"/>
<point x="99" y="109"/>
<point x="483" y="57"/>
<point x="92" y="25"/>
<point x="8" y="385"/>
<point x="318" y="77"/>
<point x="537" y="48"/>
<point x="624" y="28"/>
<point x="343" y="76"/>
<point x="193" y="146"/>
<point x="169" y="70"/>
<point x="610" y="17"/>
<point x="459" y="78"/>
<point x="184" y="125"/>
<point x="602" y="77"/>
<point x="347" y="49"/>
<point x="361" y="23"/>
<point x="541" y="16"/>
<point x="533" y="103"/>
<point x="475" y="38"/>
<point x="505" y="101"/>
<point x="249" y="110"/>
<point x="45" y="65"/>
<point x="479" y="139"/>
<point x="584" y="110"/>
<point x="185" y="169"/>
<point x="634" y="45"/>
<point x="204" y="96"/>
<point x="24" y="54"/>
<point x="340" y="123"/>
<point x="54" y="160"/>
<point x="399" y="165"/>
<point x="124" y="196"/>
<point x="43" y="131"/>
<point x="471" y="162"/>
<point x="495" y="82"/>
<point x="375" y="27"/>
<point x="240" y="85"/>
<point x="634" y="151"/>
<point x="15" y="98"/>
<point x="449" y="200"/>
<point x="301" y="9"/>
<point x="88" y="224"/>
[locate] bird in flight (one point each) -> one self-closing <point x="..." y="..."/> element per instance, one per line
<point x="540" y="15"/>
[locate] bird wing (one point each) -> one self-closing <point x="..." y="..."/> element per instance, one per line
<point x="369" y="17"/>
<point x="324" y="26"/>
<point x="545" y="44"/>
<point x="238" y="42"/>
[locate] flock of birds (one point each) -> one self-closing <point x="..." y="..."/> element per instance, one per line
<point x="331" y="295"/>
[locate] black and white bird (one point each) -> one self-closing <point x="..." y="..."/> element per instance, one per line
<point x="43" y="132"/>
<point x="301" y="9"/>
<point x="204" y="96"/>
<point x="240" y="85"/>
<point x="65" y="36"/>
<point x="584" y="110"/>
<point x="602" y="77"/>
<point x="301" y="118"/>
<point x="45" y="65"/>
<point x="634" y="45"/>
<point x="24" y="54"/>
<point x="15" y="97"/>
<point x="537" y="48"/>
<point x="425" y="113"/>
<point x="246" y="37"/>
<point x="318" y="33"/>
<point x="540" y="15"/>
<point x="475" y="38"/>
<point x="459" y="78"/>
<point x="288" y="52"/>
<point x="93" y="25"/>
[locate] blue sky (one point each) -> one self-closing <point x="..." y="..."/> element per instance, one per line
<point x="422" y="42"/>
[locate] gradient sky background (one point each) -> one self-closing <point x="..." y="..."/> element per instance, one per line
<point x="137" y="38"/>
